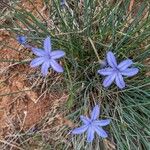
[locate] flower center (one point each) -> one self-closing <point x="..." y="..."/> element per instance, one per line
<point x="91" y="123"/>
<point x="116" y="70"/>
<point x="48" y="57"/>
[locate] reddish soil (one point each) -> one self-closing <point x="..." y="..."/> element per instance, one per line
<point x="20" y="111"/>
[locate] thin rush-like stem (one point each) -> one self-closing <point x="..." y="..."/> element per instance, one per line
<point x="95" y="51"/>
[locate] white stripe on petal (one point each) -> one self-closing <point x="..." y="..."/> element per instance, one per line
<point x="38" y="52"/>
<point x="111" y="59"/>
<point x="102" y="122"/>
<point x="95" y="112"/>
<point x="109" y="80"/>
<point x="80" y="130"/>
<point x="100" y="132"/>
<point x="106" y="71"/>
<point x="57" y="54"/>
<point x="85" y="120"/>
<point x="90" y="134"/>
<point x="47" y="45"/>
<point x="125" y="64"/>
<point x="37" y="61"/>
<point x="44" y="68"/>
<point x="119" y="81"/>
<point x="130" y="72"/>
<point x="54" y="64"/>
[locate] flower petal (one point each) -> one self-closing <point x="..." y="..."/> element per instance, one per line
<point x="38" y="52"/>
<point x="47" y="45"/>
<point x="119" y="81"/>
<point x="56" y="66"/>
<point x="102" y="122"/>
<point x="84" y="119"/>
<point x="100" y="132"/>
<point x="80" y="130"/>
<point x="57" y="54"/>
<point x="130" y="72"/>
<point x="90" y="134"/>
<point x="37" y="61"/>
<point x="108" y="80"/>
<point x="111" y="59"/>
<point x="44" y="68"/>
<point x="106" y="71"/>
<point x="125" y="64"/>
<point x="95" y="112"/>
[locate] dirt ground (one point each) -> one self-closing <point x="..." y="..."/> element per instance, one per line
<point x="21" y="108"/>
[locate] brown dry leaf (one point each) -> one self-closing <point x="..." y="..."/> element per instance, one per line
<point x="2" y="118"/>
<point x="130" y="19"/>
<point x="32" y="95"/>
<point x="148" y="74"/>
<point x="64" y="121"/>
<point x="18" y="82"/>
<point x="133" y="9"/>
<point x="108" y="145"/>
<point x="131" y="5"/>
<point x="147" y="62"/>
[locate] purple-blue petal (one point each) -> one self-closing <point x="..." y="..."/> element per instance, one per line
<point x="102" y="133"/>
<point x="37" y="61"/>
<point x="106" y="71"/>
<point x="125" y="64"/>
<point x="47" y="45"/>
<point x="80" y="130"/>
<point x="109" y="80"/>
<point x="90" y="134"/>
<point x="45" y="67"/>
<point x="130" y="72"/>
<point x="38" y="52"/>
<point x="85" y="120"/>
<point x="54" y="64"/>
<point x="119" y="81"/>
<point x="57" y="54"/>
<point x="111" y="59"/>
<point x="102" y="122"/>
<point x="95" y="112"/>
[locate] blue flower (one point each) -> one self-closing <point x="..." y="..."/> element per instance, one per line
<point x="21" y="39"/>
<point x="47" y="58"/>
<point x="92" y="125"/>
<point x="62" y="2"/>
<point x="116" y="72"/>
